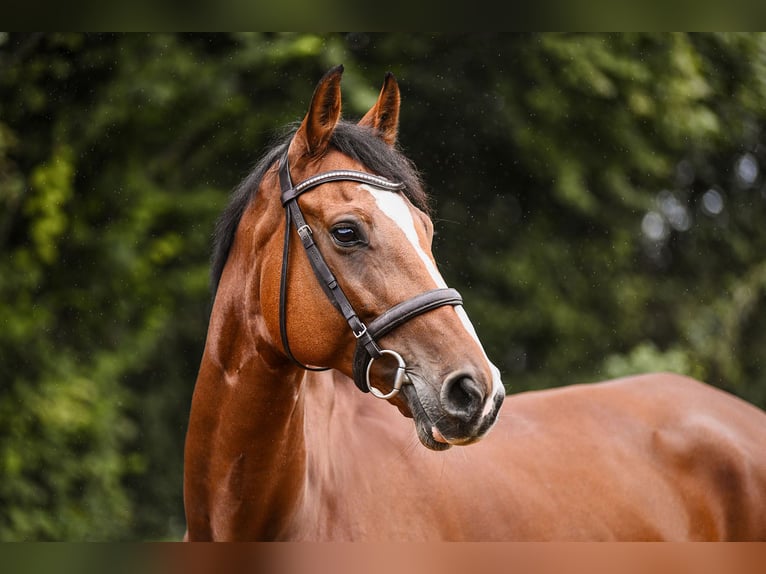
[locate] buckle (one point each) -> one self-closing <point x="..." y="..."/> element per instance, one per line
<point x="305" y="231"/>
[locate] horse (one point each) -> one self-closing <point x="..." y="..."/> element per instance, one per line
<point x="327" y="287"/>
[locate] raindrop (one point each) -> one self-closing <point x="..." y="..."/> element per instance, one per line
<point x="516" y="359"/>
<point x="357" y="41"/>
<point x="712" y="202"/>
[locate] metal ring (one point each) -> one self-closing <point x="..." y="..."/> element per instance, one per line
<point x="398" y="380"/>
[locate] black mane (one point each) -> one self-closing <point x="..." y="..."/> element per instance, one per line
<point x="359" y="143"/>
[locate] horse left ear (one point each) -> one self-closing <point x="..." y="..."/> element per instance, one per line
<point x="315" y="131"/>
<point x="383" y="117"/>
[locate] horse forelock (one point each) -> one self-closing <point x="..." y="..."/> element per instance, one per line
<point x="363" y="145"/>
<point x="357" y="142"/>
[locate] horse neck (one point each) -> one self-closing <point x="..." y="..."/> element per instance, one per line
<point x="245" y="449"/>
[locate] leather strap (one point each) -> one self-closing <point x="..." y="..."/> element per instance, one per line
<point x="397" y="316"/>
<point x="290" y="193"/>
<point x="322" y="271"/>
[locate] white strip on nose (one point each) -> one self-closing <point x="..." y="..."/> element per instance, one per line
<point x="395" y="208"/>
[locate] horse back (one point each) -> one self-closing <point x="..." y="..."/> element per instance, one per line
<point x="680" y="459"/>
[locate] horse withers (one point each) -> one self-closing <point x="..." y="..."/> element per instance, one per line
<point x="325" y="285"/>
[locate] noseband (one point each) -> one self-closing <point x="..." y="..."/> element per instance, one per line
<point x="367" y="349"/>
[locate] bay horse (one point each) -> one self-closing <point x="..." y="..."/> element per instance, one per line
<point x="323" y="260"/>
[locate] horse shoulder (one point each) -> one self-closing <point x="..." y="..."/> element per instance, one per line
<point x="356" y="463"/>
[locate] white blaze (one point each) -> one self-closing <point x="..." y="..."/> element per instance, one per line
<point x="395" y="208"/>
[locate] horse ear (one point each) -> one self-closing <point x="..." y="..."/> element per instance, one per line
<point x="314" y="133"/>
<point x="383" y="117"/>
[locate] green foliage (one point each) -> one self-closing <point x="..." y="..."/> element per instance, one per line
<point x="646" y="358"/>
<point x="599" y="203"/>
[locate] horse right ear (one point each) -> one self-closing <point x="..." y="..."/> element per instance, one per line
<point x="383" y="117"/>
<point x="314" y="133"/>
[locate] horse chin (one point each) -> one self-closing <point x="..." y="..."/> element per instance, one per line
<point x="428" y="434"/>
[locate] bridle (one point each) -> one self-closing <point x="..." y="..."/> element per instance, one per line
<point x="367" y="350"/>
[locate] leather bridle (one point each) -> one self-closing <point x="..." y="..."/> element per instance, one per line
<point x="367" y="349"/>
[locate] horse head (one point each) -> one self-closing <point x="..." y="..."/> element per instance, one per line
<point x="354" y="286"/>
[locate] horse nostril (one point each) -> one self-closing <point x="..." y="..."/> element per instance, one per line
<point x="462" y="397"/>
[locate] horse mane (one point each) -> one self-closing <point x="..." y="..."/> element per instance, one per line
<point x="358" y="142"/>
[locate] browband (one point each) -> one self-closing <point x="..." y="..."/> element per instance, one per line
<point x="335" y="175"/>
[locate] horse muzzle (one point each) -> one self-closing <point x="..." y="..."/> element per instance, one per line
<point x="460" y="413"/>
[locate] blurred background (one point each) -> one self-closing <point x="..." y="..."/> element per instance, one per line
<point x="599" y="202"/>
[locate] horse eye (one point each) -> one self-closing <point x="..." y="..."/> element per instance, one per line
<point x="345" y="235"/>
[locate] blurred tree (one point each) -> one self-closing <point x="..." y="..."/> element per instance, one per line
<point x="117" y="154"/>
<point x="599" y="202"/>
<point x="573" y="174"/>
